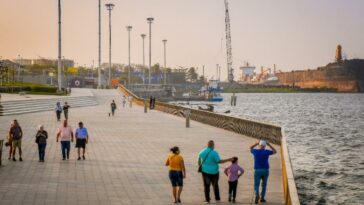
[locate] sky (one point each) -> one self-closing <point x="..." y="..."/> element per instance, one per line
<point x="291" y="34"/>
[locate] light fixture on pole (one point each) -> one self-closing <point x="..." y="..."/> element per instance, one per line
<point x="165" y="61"/>
<point x="109" y="7"/>
<point x="143" y="37"/>
<point x="150" y="21"/>
<point x="129" y="67"/>
<point x="59" y="47"/>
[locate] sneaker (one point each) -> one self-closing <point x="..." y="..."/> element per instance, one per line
<point x="229" y="198"/>
<point x="79" y="158"/>
<point x="63" y="158"/>
<point x="262" y="200"/>
<point x="179" y="201"/>
<point x="14" y="159"/>
<point x="233" y="201"/>
<point x="83" y="157"/>
<point x="207" y="202"/>
<point x="20" y="159"/>
<point x="256" y="199"/>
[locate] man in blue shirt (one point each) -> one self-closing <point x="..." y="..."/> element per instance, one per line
<point x="81" y="140"/>
<point x="261" y="167"/>
<point x="209" y="161"/>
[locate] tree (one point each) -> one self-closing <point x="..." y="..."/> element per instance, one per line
<point x="192" y="75"/>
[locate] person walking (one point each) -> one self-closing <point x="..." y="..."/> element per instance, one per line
<point x="123" y="99"/>
<point x="113" y="107"/>
<point x="261" y="167"/>
<point x="16" y="135"/>
<point x="65" y="110"/>
<point x="208" y="163"/>
<point x="10" y="141"/>
<point x="58" y="110"/>
<point x="177" y="173"/>
<point x="41" y="139"/>
<point x="81" y="140"/>
<point x="234" y="172"/>
<point x="66" y="135"/>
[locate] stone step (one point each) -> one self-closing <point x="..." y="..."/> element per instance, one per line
<point x="40" y="109"/>
<point x="18" y="105"/>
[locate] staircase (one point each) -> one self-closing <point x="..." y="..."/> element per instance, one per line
<point x="39" y="105"/>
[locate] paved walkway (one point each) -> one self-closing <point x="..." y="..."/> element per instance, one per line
<point x="125" y="160"/>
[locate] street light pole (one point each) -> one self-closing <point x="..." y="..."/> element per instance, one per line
<point x="99" y="68"/>
<point x="129" y="68"/>
<point x="109" y="8"/>
<point x="143" y="37"/>
<point x="165" y="62"/>
<point x="59" y="47"/>
<point x="150" y="20"/>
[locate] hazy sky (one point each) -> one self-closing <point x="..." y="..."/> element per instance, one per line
<point x="290" y="34"/>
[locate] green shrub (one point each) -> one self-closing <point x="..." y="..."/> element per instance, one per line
<point x="44" y="89"/>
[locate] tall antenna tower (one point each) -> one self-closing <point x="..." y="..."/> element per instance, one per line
<point x="228" y="44"/>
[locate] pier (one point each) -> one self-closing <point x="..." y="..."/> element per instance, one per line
<point x="126" y="155"/>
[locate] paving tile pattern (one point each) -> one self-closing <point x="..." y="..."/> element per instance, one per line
<point x="124" y="161"/>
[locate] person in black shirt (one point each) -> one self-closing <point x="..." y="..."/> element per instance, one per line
<point x="65" y="110"/>
<point x="41" y="139"/>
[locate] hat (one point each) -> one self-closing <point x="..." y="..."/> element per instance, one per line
<point x="262" y="143"/>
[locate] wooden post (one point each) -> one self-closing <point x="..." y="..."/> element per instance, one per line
<point x="187" y="116"/>
<point x="1" y="150"/>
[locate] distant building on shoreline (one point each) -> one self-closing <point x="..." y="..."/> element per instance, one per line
<point x="66" y="63"/>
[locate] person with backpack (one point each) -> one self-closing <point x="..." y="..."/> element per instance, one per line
<point x="177" y="172"/>
<point x="208" y="163"/>
<point x="41" y="139"/>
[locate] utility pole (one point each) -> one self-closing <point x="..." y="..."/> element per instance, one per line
<point x="150" y="21"/>
<point x="59" y="47"/>
<point x="129" y="68"/>
<point x="203" y="73"/>
<point x="143" y="37"/>
<point x="165" y="61"/>
<point x="109" y="8"/>
<point x="99" y="67"/>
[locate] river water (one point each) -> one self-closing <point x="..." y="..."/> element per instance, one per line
<point x="325" y="134"/>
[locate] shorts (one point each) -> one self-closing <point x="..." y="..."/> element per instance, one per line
<point x="81" y="143"/>
<point x="176" y="178"/>
<point x="16" y="143"/>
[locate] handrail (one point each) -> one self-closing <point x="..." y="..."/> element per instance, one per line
<point x="250" y="128"/>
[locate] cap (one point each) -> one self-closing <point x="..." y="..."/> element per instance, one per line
<point x="262" y="143"/>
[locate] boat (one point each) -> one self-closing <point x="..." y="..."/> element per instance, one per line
<point x="212" y="91"/>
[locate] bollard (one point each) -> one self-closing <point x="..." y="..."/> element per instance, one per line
<point x="1" y="150"/>
<point x="187" y="116"/>
<point x="145" y="106"/>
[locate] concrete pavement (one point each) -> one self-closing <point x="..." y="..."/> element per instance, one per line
<point x="125" y="159"/>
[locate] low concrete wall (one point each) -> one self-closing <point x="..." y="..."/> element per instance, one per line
<point x="250" y="128"/>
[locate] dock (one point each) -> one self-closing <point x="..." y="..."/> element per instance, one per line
<point x="126" y="155"/>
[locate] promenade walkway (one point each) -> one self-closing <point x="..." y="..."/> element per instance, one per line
<point x="125" y="159"/>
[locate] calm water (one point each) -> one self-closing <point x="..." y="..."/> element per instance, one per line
<point x="325" y="136"/>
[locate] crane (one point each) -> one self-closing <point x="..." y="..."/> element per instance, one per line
<point x="228" y="44"/>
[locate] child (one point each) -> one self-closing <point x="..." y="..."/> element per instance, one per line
<point x="233" y="173"/>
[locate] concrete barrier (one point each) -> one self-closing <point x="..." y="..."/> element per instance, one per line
<point x="250" y="128"/>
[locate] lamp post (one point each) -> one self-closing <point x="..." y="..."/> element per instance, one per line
<point x="143" y="37"/>
<point x="129" y="67"/>
<point x="109" y="7"/>
<point x="150" y="21"/>
<point x="99" y="67"/>
<point x="59" y="47"/>
<point x="165" y="61"/>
